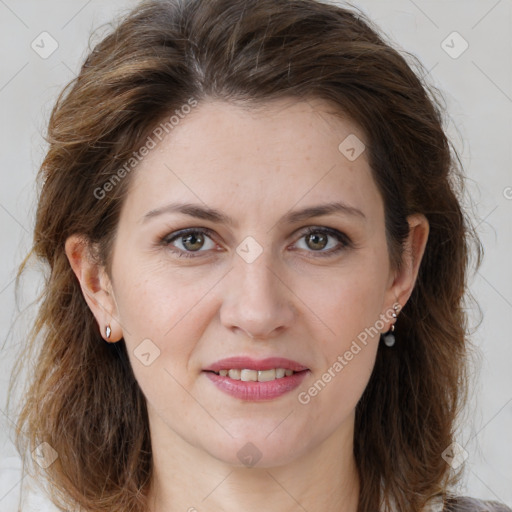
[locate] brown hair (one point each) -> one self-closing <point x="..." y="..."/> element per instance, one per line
<point x="83" y="398"/>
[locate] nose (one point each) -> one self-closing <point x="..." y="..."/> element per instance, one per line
<point x="257" y="300"/>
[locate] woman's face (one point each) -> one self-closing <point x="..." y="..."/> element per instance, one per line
<point x="258" y="286"/>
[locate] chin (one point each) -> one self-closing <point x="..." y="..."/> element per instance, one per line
<point x="255" y="452"/>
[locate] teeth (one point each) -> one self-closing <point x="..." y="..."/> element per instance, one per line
<point x="234" y="374"/>
<point x="266" y="375"/>
<point x="255" y="375"/>
<point x="247" y="375"/>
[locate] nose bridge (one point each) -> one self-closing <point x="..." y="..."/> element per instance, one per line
<point x="256" y="300"/>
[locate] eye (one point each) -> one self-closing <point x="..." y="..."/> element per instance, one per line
<point x="191" y="240"/>
<point x="186" y="242"/>
<point x="317" y="240"/>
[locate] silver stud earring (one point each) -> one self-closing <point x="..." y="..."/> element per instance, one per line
<point x="389" y="337"/>
<point x="108" y="331"/>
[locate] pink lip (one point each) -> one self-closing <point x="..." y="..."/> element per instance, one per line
<point x="240" y="362"/>
<point x="257" y="391"/>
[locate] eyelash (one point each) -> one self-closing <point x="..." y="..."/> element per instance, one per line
<point x="343" y="239"/>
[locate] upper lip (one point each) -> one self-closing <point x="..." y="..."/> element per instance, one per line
<point x="241" y="362"/>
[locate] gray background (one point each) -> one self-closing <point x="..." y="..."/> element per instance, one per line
<point x="478" y="88"/>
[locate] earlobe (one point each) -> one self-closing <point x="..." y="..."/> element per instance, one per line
<point x="96" y="286"/>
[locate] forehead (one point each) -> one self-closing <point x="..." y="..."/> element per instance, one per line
<point x="279" y="153"/>
<point x="281" y="129"/>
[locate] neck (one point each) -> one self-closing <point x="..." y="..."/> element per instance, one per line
<point x="188" y="478"/>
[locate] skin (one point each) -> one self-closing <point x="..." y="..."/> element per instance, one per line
<point x="255" y="166"/>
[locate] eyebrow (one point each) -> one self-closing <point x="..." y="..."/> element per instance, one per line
<point x="216" y="216"/>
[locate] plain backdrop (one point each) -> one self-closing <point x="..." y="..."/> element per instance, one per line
<point x="466" y="48"/>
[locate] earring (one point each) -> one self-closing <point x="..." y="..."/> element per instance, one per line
<point x="389" y="337"/>
<point x="108" y="331"/>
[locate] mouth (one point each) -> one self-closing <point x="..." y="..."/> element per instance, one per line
<point x="249" y="375"/>
<point x="245" y="384"/>
<point x="246" y="378"/>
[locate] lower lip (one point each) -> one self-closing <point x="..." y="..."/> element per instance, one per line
<point x="257" y="391"/>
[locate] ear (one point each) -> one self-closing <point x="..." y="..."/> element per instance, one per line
<point x="403" y="281"/>
<point x="96" y="285"/>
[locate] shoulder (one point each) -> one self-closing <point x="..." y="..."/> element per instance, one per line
<point x="467" y="504"/>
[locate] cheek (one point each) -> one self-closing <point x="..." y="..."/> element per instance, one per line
<point x="161" y="332"/>
<point x="354" y="318"/>
<point x="353" y="297"/>
<point x="351" y="310"/>
<point x="348" y="351"/>
<point x="166" y="315"/>
<point x="154" y="296"/>
<point x="163" y="311"/>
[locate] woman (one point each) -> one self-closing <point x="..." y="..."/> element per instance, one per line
<point x="258" y="259"/>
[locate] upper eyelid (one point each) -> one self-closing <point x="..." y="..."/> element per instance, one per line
<point x="182" y="232"/>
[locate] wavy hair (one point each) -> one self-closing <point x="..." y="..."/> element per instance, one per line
<point x="83" y="398"/>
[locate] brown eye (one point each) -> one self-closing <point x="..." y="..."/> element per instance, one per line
<point x="188" y="241"/>
<point x="192" y="242"/>
<point x="317" y="241"/>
